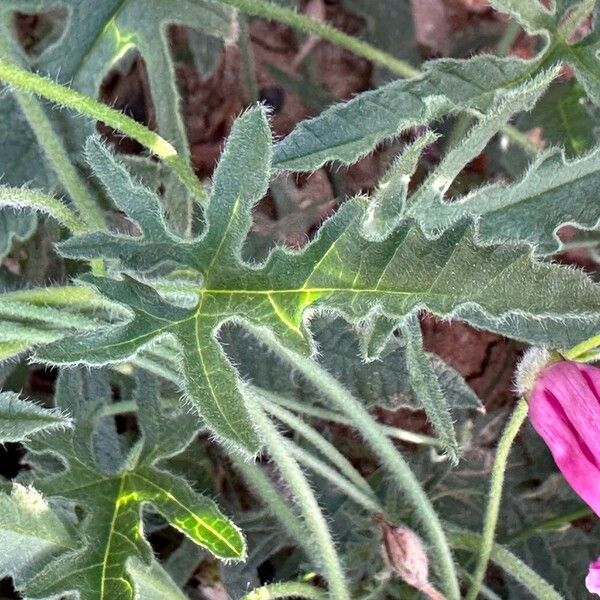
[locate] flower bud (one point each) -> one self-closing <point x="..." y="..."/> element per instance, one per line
<point x="403" y="550"/>
<point x="592" y="581"/>
<point x="564" y="408"/>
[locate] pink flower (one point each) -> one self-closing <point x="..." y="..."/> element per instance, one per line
<point x="592" y="581"/>
<point x="564" y="408"/>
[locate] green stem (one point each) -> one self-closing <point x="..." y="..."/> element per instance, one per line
<point x="66" y="295"/>
<point x="514" y="566"/>
<point x="495" y="496"/>
<point x="583" y="348"/>
<point x="26" y="81"/>
<point x="38" y="201"/>
<point x="263" y="486"/>
<point x="510" y="35"/>
<point x="518" y="137"/>
<point x="59" y="319"/>
<point x="279" y="449"/>
<point x="286" y="590"/>
<point x="335" y="417"/>
<point x="392" y="460"/>
<point x="574" y="19"/>
<point x="547" y="525"/>
<point x="55" y="152"/>
<point x="268" y="10"/>
<point x="367" y="501"/>
<point x="326" y="448"/>
<point x="484" y="592"/>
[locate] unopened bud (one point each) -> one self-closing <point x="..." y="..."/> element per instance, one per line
<point x="404" y="552"/>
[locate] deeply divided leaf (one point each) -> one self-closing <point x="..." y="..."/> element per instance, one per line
<point x="110" y="484"/>
<point x="494" y="287"/>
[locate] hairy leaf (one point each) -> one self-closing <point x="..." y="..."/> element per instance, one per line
<point x="20" y="162"/>
<point x="110" y="485"/>
<point x="379" y="381"/>
<point x="150" y="582"/>
<point x="32" y="530"/>
<point x="19" y="418"/>
<point x="566" y="117"/>
<point x="99" y="34"/>
<point x="427" y="387"/>
<point x="389" y="26"/>
<point x="500" y="289"/>
<point x="14" y="225"/>
<point x="533" y="16"/>
<point x="345" y="132"/>
<point x="553" y="192"/>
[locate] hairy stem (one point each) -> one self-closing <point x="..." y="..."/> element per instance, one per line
<point x="286" y="590"/>
<point x="325" y="447"/>
<point x="490" y="519"/>
<point x="367" y="501"/>
<point x="273" y="499"/>
<point x="279" y="449"/>
<point x="504" y="558"/>
<point x="392" y="460"/>
<point x="268" y="10"/>
<point x="330" y="415"/>
<point x="25" y="81"/>
<point x="546" y="525"/>
<point x="584" y="348"/>
<point x="55" y="152"/>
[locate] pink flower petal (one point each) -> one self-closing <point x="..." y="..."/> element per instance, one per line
<point x="592" y="581"/>
<point x="564" y="408"/>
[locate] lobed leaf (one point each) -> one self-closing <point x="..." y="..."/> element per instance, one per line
<point x="345" y="132"/>
<point x="19" y="418"/>
<point x="498" y="288"/>
<point x="111" y="484"/>
<point x="554" y="192"/>
<point x="427" y="387"/>
<point x="533" y="16"/>
<point x="150" y="582"/>
<point x="98" y="35"/>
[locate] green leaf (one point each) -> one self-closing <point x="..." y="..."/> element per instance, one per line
<point x="97" y="36"/>
<point x="19" y="418"/>
<point x="31" y="529"/>
<point x="497" y="288"/>
<point x="345" y="132"/>
<point x="151" y="582"/>
<point x="20" y="161"/>
<point x="14" y="225"/>
<point x="583" y="57"/>
<point x="387" y="203"/>
<point x="110" y="484"/>
<point x="554" y="192"/>
<point x="566" y="117"/>
<point x="381" y="380"/>
<point x="427" y="387"/>
<point x="389" y="27"/>
<point x="532" y="15"/>
<point x="476" y="139"/>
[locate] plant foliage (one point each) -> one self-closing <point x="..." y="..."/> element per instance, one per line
<point x="168" y="349"/>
